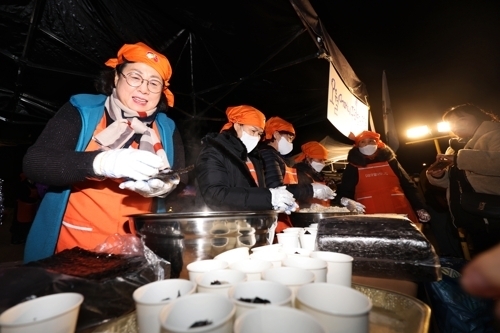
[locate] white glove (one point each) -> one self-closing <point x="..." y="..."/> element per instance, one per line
<point x="283" y="200"/>
<point x="352" y="205"/>
<point x="423" y="215"/>
<point x="127" y="163"/>
<point x="153" y="187"/>
<point x="322" y="192"/>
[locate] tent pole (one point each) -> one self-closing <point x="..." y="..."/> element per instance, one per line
<point x="35" y="18"/>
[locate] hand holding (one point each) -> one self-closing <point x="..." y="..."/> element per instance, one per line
<point x="322" y="192"/>
<point x="352" y="205"/>
<point x="152" y="187"/>
<point x="283" y="200"/>
<point x="423" y="215"/>
<point x="127" y="163"/>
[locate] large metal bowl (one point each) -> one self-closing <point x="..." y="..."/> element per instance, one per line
<point x="182" y="238"/>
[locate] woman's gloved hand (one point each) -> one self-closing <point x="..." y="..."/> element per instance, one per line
<point x="127" y="163"/>
<point x="283" y="200"/>
<point x="153" y="187"/>
<point x="323" y="192"/>
<point x="352" y="205"/>
<point x="423" y="215"/>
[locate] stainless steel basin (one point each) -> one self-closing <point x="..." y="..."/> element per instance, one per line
<point x="182" y="238"/>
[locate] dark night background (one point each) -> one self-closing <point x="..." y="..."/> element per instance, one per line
<point x="435" y="54"/>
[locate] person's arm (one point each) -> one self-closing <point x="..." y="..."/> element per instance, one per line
<point x="52" y="160"/>
<point x="482" y="162"/>
<point x="347" y="186"/>
<point x="214" y="184"/>
<point x="272" y="168"/>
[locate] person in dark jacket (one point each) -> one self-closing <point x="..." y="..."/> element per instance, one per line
<point x="309" y="166"/>
<point x="375" y="179"/>
<point x="229" y="173"/>
<point x="279" y="135"/>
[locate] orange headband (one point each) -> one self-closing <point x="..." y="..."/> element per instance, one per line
<point x="245" y="115"/>
<point x="312" y="149"/>
<point x="369" y="134"/>
<point x="140" y="52"/>
<point x="277" y="124"/>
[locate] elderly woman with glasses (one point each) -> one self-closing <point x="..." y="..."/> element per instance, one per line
<point x="99" y="155"/>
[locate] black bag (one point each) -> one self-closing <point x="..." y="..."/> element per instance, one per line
<point x="481" y="204"/>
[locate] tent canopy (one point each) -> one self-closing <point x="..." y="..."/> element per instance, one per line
<point x="273" y="55"/>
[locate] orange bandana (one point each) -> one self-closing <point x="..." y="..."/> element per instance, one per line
<point x="277" y="124"/>
<point x="245" y="115"/>
<point x="312" y="149"/>
<point x="140" y="52"/>
<point x="369" y="134"/>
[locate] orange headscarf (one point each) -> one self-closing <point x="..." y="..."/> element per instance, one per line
<point x="140" y="52"/>
<point x="277" y="124"/>
<point x="369" y="134"/>
<point x="245" y="115"/>
<point x="312" y="149"/>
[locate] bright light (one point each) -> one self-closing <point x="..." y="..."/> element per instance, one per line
<point x="417" y="132"/>
<point x="443" y="126"/>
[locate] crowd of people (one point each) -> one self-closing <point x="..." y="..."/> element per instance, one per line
<point x="101" y="155"/>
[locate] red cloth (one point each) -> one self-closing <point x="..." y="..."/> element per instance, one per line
<point x="277" y="124"/>
<point x="245" y="115"/>
<point x="312" y="149"/>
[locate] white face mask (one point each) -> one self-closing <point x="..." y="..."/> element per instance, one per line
<point x="249" y="141"/>
<point x="368" y="150"/>
<point x="284" y="147"/>
<point x="317" y="166"/>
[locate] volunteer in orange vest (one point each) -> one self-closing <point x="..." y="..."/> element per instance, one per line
<point x="229" y="173"/>
<point x="309" y="165"/>
<point x="375" y="182"/>
<point x="99" y="152"/>
<point x="278" y="141"/>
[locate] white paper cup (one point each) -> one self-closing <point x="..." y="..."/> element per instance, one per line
<point x="276" y="319"/>
<point x="253" y="268"/>
<point x="307" y="241"/>
<point x="152" y="297"/>
<point x="316" y="266"/>
<point x="298" y="251"/>
<point x="291" y="277"/>
<point x="294" y="230"/>
<point x="230" y="256"/>
<point x="274" y="257"/>
<point x="52" y="313"/>
<point x="274" y="292"/>
<point x="340" y="309"/>
<point x="313" y="225"/>
<point x="207" y="283"/>
<point x="339" y="267"/>
<point x="288" y="239"/>
<point x="180" y="315"/>
<point x="271" y="247"/>
<point x="197" y="268"/>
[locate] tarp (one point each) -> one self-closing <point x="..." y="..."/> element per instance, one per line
<point x="273" y="55"/>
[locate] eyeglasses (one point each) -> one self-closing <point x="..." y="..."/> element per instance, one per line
<point x="135" y="80"/>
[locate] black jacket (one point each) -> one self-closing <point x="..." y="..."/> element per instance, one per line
<point x="274" y="169"/>
<point x="356" y="159"/>
<point x="223" y="179"/>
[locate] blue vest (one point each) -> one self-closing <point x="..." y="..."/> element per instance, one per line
<point x="43" y="235"/>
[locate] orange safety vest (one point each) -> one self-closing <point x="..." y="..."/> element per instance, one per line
<point x="379" y="190"/>
<point x="98" y="209"/>
<point x="290" y="178"/>
<point x="251" y="168"/>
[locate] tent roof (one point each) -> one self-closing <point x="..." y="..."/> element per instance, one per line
<point x="273" y="55"/>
